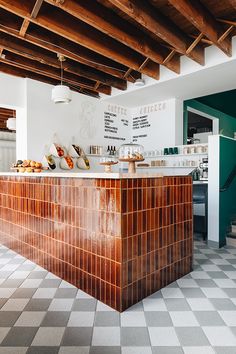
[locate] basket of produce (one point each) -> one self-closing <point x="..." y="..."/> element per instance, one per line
<point x="57" y="150"/>
<point x="83" y="163"/>
<point x="67" y="163"/>
<point x="49" y="160"/>
<point x="75" y="151"/>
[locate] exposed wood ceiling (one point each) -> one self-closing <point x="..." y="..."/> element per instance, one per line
<point x="4" y="115"/>
<point x="109" y="42"/>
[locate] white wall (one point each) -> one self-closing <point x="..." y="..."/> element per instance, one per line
<point x="81" y="121"/>
<point x="213" y="189"/>
<point x="12" y="91"/>
<point x="163" y="124"/>
<point x="40" y="121"/>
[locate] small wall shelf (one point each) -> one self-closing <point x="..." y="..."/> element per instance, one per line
<point x="191" y="167"/>
<point x="94" y="155"/>
<point x="176" y="155"/>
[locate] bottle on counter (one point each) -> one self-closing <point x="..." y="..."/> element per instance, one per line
<point x="108" y="150"/>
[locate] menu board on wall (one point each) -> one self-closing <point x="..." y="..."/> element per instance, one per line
<point x="116" y="123"/>
<point x="146" y="122"/>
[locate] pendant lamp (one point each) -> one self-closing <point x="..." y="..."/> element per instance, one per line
<point x="11" y="122"/>
<point x="61" y="93"/>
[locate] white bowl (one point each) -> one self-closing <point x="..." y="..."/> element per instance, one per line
<point x="73" y="152"/>
<point x="64" y="165"/>
<point x="54" y="152"/>
<point x="83" y="163"/>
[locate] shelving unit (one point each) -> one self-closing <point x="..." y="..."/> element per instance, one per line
<point x="152" y="167"/>
<point x="95" y="155"/>
<point x="176" y="155"/>
<point x="102" y="155"/>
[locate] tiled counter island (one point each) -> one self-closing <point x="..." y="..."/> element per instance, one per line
<point x="117" y="237"/>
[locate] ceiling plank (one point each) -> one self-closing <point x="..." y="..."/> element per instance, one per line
<point x="34" y="14"/>
<point x="233" y="3"/>
<point x="108" y="22"/>
<point x="160" y="26"/>
<point x="36" y="8"/>
<point x="24" y="27"/>
<point x="78" y="32"/>
<point x="11" y="70"/>
<point x="54" y="73"/>
<point x="29" y="51"/>
<point x="204" y="21"/>
<point x="49" y="41"/>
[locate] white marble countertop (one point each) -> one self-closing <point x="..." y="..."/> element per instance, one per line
<point x="200" y="182"/>
<point x="84" y="175"/>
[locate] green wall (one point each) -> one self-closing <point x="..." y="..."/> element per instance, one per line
<point x="227" y="208"/>
<point x="227" y="123"/>
<point x="222" y="101"/>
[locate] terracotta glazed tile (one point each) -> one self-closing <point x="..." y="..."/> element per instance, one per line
<point x="118" y="240"/>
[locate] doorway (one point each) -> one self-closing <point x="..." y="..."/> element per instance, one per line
<point x="199" y="126"/>
<point x="7" y="140"/>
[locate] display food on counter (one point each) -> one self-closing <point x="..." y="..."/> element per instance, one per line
<point x="57" y="150"/>
<point x="133" y="156"/>
<point x="66" y="163"/>
<point x="27" y="166"/>
<point x="83" y="163"/>
<point x="131" y="151"/>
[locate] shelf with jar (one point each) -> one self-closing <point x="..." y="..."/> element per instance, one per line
<point x="168" y="166"/>
<point x="100" y="151"/>
<point x="176" y="155"/>
<point x="180" y="150"/>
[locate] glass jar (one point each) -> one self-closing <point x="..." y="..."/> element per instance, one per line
<point x="131" y="152"/>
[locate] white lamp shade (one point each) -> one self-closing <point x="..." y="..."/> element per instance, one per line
<point x="11" y="123"/>
<point x="139" y="83"/>
<point x="61" y="94"/>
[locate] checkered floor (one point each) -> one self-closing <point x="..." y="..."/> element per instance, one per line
<point x="40" y="313"/>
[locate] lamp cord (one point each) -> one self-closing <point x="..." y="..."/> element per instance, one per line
<point x="61" y="73"/>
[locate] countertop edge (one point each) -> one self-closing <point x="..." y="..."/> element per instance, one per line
<point x="91" y="175"/>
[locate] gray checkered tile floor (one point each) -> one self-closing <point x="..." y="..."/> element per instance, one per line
<point x="40" y="313"/>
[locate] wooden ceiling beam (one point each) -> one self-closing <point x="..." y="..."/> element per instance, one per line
<point x="29" y="51"/>
<point x="106" y="21"/>
<point x="24" y="27"/>
<point x="54" y="43"/>
<point x="34" y="14"/>
<point x="36" y="8"/>
<point x="233" y="3"/>
<point x="147" y="16"/>
<point x="204" y="21"/>
<point x="195" y="42"/>
<point x="54" y="73"/>
<point x="11" y="70"/>
<point x="77" y="32"/>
